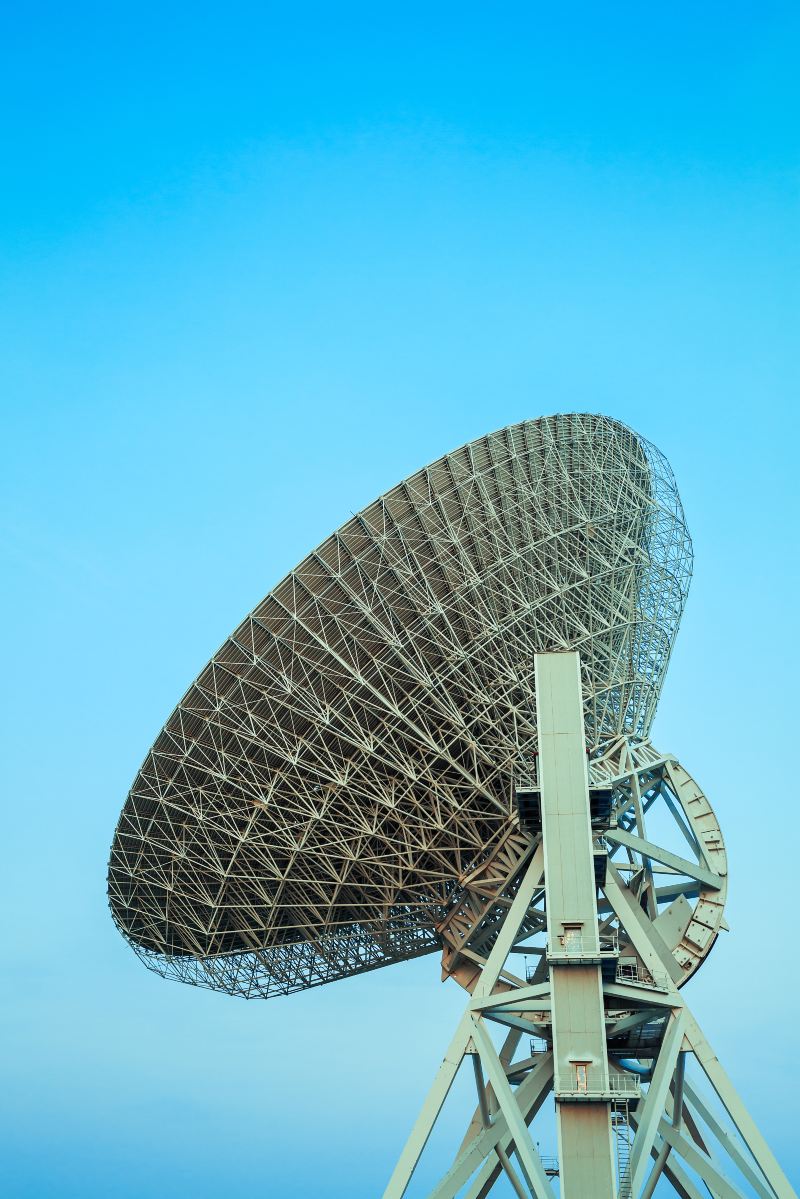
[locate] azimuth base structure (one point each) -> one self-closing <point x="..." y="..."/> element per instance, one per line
<point x="624" y="1123"/>
<point x="387" y="758"/>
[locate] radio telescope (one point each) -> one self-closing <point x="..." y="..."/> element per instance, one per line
<point x="434" y="736"/>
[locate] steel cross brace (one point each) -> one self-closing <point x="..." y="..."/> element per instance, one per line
<point x="762" y="1169"/>
<point x="665" y="1119"/>
<point x="472" y="1038"/>
<point x="496" y="1135"/>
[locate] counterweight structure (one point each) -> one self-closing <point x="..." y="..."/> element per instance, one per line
<point x="434" y="735"/>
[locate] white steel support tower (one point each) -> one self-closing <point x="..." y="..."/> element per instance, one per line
<point x="573" y="939"/>
<point x="623" y="1126"/>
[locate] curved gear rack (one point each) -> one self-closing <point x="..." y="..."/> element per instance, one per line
<point x="684" y="896"/>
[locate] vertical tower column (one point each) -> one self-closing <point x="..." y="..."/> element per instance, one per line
<point x="581" y="1082"/>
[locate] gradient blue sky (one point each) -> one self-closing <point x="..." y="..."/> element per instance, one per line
<point x="259" y="263"/>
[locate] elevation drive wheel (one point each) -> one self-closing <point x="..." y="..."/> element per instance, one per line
<point x="655" y="833"/>
<point x="665" y="843"/>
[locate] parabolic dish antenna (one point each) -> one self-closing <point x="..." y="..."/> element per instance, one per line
<point x="364" y="770"/>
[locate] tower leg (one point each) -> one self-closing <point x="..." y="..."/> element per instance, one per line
<point x="508" y="1131"/>
<point x="657" y="957"/>
<point x="426" y="1119"/>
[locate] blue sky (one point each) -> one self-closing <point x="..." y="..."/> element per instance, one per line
<point x="258" y="263"/>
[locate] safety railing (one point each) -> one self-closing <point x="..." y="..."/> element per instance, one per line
<point x="573" y="947"/>
<point x="587" y="1082"/>
<point x="539" y="1046"/>
<point x="632" y="973"/>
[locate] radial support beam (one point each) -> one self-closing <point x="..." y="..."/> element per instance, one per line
<point x="651" y="852"/>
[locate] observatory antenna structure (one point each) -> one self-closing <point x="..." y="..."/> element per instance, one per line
<point x="434" y="736"/>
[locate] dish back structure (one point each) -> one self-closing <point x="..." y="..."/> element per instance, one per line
<point x="312" y="806"/>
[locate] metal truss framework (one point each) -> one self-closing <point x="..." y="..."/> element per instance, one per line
<point x="381" y="762"/>
<point x="677" y="1133"/>
<point x="649" y="1120"/>
<point x="320" y="798"/>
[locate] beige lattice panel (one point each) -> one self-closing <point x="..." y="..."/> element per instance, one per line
<point x="314" y="803"/>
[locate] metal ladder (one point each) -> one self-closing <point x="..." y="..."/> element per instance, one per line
<point x="622" y="1140"/>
